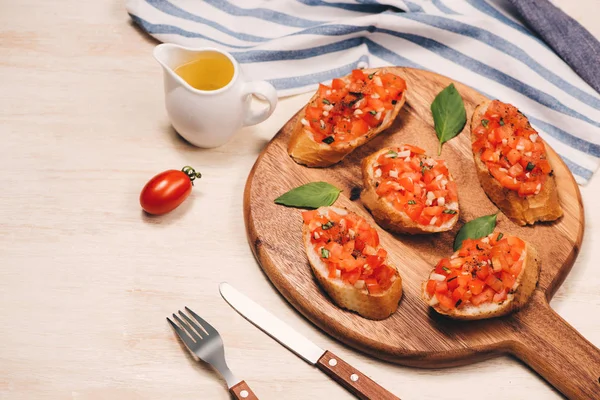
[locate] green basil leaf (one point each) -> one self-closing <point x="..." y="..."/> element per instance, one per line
<point x="312" y="195"/>
<point x="449" y="114"/>
<point x="475" y="229"/>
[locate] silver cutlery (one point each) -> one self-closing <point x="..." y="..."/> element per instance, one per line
<point x="205" y="342"/>
<point x="343" y="373"/>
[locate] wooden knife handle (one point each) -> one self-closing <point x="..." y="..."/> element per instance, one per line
<point x="553" y="348"/>
<point x="352" y="379"/>
<point x="242" y="391"/>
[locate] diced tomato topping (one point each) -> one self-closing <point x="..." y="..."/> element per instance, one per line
<point x="351" y="276"/>
<point x="515" y="171"/>
<point x="486" y="296"/>
<point x="452" y="281"/>
<point x="511" y="149"/>
<point x="528" y="188"/>
<point x="351" y="106"/>
<point x="476" y="286"/>
<point x="416" y="184"/>
<point x="431" y="287"/>
<point x="481" y="271"/>
<point x="458" y="294"/>
<point x="338" y="84"/>
<point x="373" y="286"/>
<point x="500" y="296"/>
<point x="445" y="301"/>
<point x="489" y="155"/>
<point x="359" y="128"/>
<point x="358" y="75"/>
<point x="308" y="216"/>
<point x="441" y="287"/>
<point x="349" y="246"/>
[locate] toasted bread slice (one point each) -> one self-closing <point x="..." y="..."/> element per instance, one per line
<point x="543" y="206"/>
<point x="397" y="220"/>
<point x="305" y="150"/>
<point x="353" y="297"/>
<point x="517" y="296"/>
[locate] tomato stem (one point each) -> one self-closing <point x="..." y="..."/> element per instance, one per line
<point x="191" y="173"/>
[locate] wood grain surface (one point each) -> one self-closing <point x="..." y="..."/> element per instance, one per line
<point x="242" y="391"/>
<point x="414" y="335"/>
<point x="352" y="379"/>
<point x="86" y="279"/>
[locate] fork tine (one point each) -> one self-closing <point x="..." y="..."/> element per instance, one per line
<point x="207" y="327"/>
<point x="194" y="326"/>
<point x="187" y="328"/>
<point x="182" y="334"/>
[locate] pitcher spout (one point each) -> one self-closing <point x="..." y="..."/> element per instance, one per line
<point x="169" y="55"/>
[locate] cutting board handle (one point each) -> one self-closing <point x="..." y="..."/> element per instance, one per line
<point x="553" y="348"/>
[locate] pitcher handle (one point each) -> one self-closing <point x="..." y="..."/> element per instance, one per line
<point x="264" y="91"/>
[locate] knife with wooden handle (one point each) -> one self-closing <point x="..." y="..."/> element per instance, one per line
<point x="343" y="373"/>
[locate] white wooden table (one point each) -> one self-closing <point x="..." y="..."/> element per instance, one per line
<point x="86" y="279"/>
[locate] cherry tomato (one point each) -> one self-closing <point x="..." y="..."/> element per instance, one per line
<point x="167" y="190"/>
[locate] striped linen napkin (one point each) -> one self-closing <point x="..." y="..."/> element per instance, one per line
<point x="294" y="44"/>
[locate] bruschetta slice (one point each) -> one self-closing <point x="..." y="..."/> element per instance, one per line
<point x="512" y="164"/>
<point x="485" y="278"/>
<point x="345" y="115"/>
<point x="408" y="191"/>
<point x="349" y="263"/>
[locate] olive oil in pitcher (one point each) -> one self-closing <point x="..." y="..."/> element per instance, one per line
<point x="211" y="71"/>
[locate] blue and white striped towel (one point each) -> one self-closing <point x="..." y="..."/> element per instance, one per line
<point x="294" y="44"/>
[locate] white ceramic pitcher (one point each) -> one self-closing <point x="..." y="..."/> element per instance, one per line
<point x="209" y="118"/>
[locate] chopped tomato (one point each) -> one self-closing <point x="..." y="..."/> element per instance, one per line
<point x="441" y="287"/>
<point x="528" y="188"/>
<point x="508" y="280"/>
<point x="338" y="84"/>
<point x="513" y="156"/>
<point x="481" y="271"/>
<point x="458" y="294"/>
<point x="489" y="155"/>
<point x="511" y="149"/>
<point x="349" y="246"/>
<point x="358" y="75"/>
<point x="350" y="106"/>
<point x="483" y="297"/>
<point x="431" y="287"/>
<point x="476" y="286"/>
<point x="309" y="216"/>
<point x="452" y="281"/>
<point x="351" y="276"/>
<point x="416" y="184"/>
<point x="500" y="296"/>
<point x="494" y="283"/>
<point x="445" y="301"/>
<point x="515" y="171"/>
<point x="373" y="287"/>
<point x="359" y="128"/>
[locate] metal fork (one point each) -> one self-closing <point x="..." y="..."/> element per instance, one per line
<point x="205" y="342"/>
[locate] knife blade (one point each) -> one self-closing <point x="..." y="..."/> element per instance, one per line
<point x="343" y="373"/>
<point x="271" y="325"/>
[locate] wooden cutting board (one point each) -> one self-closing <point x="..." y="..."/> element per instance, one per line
<point x="415" y="335"/>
